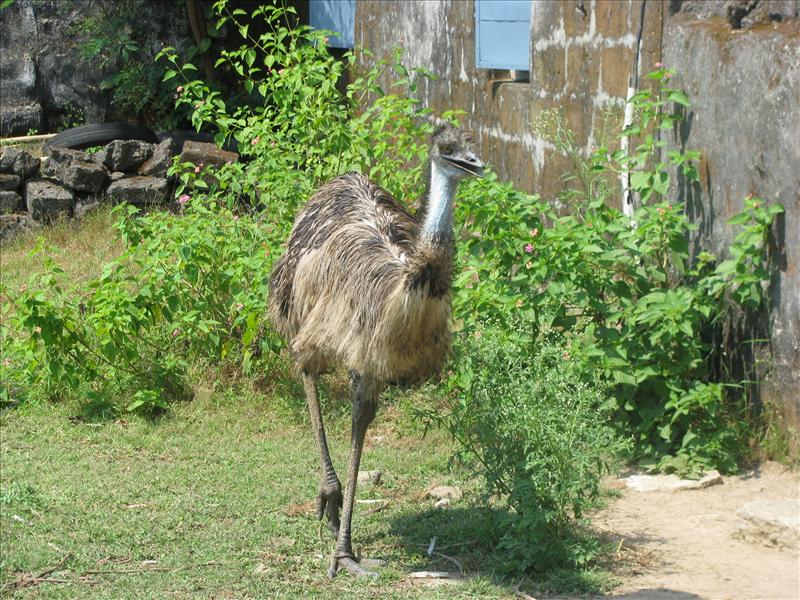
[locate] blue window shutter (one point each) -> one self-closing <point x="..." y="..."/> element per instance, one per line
<point x="336" y="15"/>
<point x="503" y="34"/>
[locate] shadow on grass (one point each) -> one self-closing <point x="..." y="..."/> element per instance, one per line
<point x="468" y="542"/>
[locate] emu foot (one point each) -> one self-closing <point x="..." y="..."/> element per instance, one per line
<point x="350" y="564"/>
<point x="329" y="501"/>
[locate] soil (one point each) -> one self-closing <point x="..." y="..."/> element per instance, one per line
<point x="682" y="545"/>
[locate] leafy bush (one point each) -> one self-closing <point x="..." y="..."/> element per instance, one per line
<point x="627" y="294"/>
<point x="528" y="415"/>
<point x="297" y="128"/>
<point x="185" y="288"/>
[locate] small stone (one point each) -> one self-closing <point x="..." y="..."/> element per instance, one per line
<point x="160" y="161"/>
<point x="13" y="225"/>
<point x="18" y="162"/>
<point x="774" y="523"/>
<point x="117" y="175"/>
<point x="9" y="201"/>
<point x="47" y="200"/>
<point x="660" y="483"/>
<point x="373" y="477"/>
<point x="441" y="492"/>
<point x="139" y="191"/>
<point x="84" y="208"/>
<point x="124" y="155"/>
<point x="442" y="503"/>
<point x="9" y="182"/>
<point x="199" y="153"/>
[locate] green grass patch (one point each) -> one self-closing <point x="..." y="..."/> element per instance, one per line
<point x="217" y="493"/>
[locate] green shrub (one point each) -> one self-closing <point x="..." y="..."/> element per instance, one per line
<point x="185" y="288"/>
<point x="627" y="294"/>
<point x="528" y="416"/>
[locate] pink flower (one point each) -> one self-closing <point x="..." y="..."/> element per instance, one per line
<point x="176" y="332"/>
<point x="534" y="232"/>
<point x="184" y="198"/>
<point x="179" y="89"/>
<point x="255" y="140"/>
<point x="529" y="248"/>
<point x="659" y="65"/>
<point x="198" y="167"/>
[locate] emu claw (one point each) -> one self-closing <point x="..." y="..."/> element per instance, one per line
<point x="349" y="564"/>
<point x="329" y="501"/>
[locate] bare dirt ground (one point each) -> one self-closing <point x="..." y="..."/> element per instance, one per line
<point x="683" y="544"/>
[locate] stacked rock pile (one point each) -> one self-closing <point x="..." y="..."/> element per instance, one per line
<point x="72" y="183"/>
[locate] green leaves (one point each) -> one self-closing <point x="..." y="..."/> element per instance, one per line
<point x="629" y="300"/>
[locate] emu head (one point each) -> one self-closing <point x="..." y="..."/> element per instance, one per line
<point x="452" y="151"/>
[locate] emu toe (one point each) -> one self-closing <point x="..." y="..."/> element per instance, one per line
<point x="349" y="564"/>
<point x="329" y="501"/>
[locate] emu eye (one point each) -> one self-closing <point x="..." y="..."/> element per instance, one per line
<point x="446" y="148"/>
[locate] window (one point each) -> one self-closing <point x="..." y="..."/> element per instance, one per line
<point x="503" y="34"/>
<point x="336" y="15"/>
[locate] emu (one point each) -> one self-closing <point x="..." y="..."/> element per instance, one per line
<point x="364" y="284"/>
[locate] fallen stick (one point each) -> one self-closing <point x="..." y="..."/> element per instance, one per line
<point x="210" y="563"/>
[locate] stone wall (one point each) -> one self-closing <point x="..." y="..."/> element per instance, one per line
<point x="738" y="60"/>
<point x="72" y="183"/>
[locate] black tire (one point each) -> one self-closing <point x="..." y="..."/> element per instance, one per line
<point x="181" y="136"/>
<point x="99" y="134"/>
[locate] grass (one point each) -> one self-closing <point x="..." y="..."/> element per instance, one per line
<point x="213" y="499"/>
<point x="218" y="494"/>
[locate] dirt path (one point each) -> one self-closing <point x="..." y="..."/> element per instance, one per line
<point x="681" y="545"/>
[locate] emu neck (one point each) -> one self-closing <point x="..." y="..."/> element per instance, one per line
<point x="438" y="222"/>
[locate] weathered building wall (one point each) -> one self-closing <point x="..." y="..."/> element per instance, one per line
<point x="738" y="61"/>
<point x="744" y="86"/>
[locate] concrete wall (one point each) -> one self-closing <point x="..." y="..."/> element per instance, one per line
<point x="738" y="60"/>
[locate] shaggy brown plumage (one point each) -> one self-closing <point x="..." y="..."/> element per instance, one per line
<point x="357" y="288"/>
<point x="364" y="284"/>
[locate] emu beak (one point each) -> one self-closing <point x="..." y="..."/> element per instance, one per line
<point x="468" y="161"/>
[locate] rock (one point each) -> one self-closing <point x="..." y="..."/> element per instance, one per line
<point x="47" y="200"/>
<point x="124" y="155"/>
<point x="9" y="182"/>
<point x="18" y="162"/>
<point x="13" y="225"/>
<point x="442" y="503"/>
<point x="773" y="523"/>
<point x="117" y="175"/>
<point x="73" y="169"/>
<point x="139" y="190"/>
<point x="373" y="477"/>
<point x="199" y="153"/>
<point x="9" y="201"/>
<point x="160" y="161"/>
<point x="83" y="208"/>
<point x="442" y="492"/>
<point x="659" y="483"/>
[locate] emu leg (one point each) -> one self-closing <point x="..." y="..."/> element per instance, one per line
<point x="365" y="401"/>
<point x="329" y="495"/>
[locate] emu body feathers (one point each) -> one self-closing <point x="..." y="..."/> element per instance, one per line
<point x="358" y="287"/>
